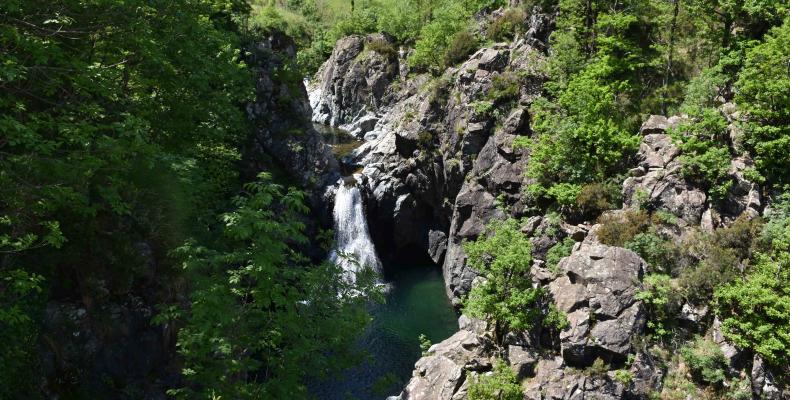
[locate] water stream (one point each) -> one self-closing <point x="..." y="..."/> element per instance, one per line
<point x="415" y="304"/>
<point x="353" y="248"/>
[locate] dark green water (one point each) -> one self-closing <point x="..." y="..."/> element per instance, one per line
<point x="416" y="304"/>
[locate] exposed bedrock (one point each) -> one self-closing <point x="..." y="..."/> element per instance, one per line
<point x="436" y="168"/>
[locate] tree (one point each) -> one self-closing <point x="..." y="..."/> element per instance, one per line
<point x="261" y="317"/>
<point x="755" y="310"/>
<point x="502" y="256"/>
<point x="763" y="92"/>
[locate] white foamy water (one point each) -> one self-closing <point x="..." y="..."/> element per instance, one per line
<point x="353" y="248"/>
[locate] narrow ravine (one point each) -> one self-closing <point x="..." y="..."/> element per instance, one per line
<point x="415" y="300"/>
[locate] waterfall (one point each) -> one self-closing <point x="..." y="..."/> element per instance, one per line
<point x="353" y="248"/>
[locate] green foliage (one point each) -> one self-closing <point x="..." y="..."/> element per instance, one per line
<point x="120" y="126"/>
<point x="449" y="20"/>
<point x="504" y="87"/>
<point x="506" y="297"/>
<point x="581" y="137"/>
<point x="763" y="92"/>
<point x="558" y="252"/>
<point x="624" y="376"/>
<point x="504" y="27"/>
<point x="425" y="344"/>
<point x="755" y="310"/>
<point x="383" y="47"/>
<point x="595" y="198"/>
<point x="705" y="358"/>
<point x="705" y="155"/>
<point x="460" y="47"/>
<point x="482" y="108"/>
<point x="261" y="316"/>
<point x="620" y="228"/>
<point x="597" y="368"/>
<point x="499" y="384"/>
<point x="20" y="295"/>
<point x="662" y="302"/>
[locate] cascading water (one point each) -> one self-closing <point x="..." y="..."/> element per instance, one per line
<point x="353" y="248"/>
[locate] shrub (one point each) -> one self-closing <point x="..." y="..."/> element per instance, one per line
<point x="705" y="156"/>
<point x="506" y="297"/>
<point x="617" y="229"/>
<point x="500" y="384"/>
<point x="383" y="47"/>
<point x="624" y="376"/>
<point x="706" y="360"/>
<point x="718" y="267"/>
<point x="652" y="248"/>
<point x="482" y="108"/>
<point x="504" y="87"/>
<point x="425" y="344"/>
<point x="460" y="47"/>
<point x="425" y="140"/>
<point x="762" y="91"/>
<point x="597" y="368"/>
<point x="558" y="252"/>
<point x="512" y="21"/>
<point x="755" y="311"/>
<point x="662" y="302"/>
<point x="595" y="198"/>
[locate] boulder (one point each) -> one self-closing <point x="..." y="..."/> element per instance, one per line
<point x="658" y="181"/>
<point x="442" y="374"/>
<point x="597" y="293"/>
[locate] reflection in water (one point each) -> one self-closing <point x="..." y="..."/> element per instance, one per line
<point x="416" y="305"/>
<point x="341" y="141"/>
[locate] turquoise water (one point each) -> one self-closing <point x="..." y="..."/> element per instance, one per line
<point x="416" y="304"/>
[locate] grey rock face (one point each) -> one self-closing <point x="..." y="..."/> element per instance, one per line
<point x="597" y="292"/>
<point x="282" y="128"/>
<point x="348" y="89"/>
<point x="434" y="167"/>
<point x="442" y="374"/>
<point x="658" y="182"/>
<point x="658" y="179"/>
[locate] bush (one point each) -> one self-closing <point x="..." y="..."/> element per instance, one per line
<point x="595" y="198"/>
<point x="504" y="87"/>
<point x="383" y="47"/>
<point x="507" y="25"/>
<point x="598" y="368"/>
<point x="705" y="156"/>
<point x="506" y="297"/>
<point x="706" y="360"/>
<point x="755" y="311"/>
<point x="662" y="302"/>
<point x="617" y="229"/>
<point x="500" y="384"/>
<point x="558" y="252"/>
<point x="762" y="91"/>
<point x="624" y="376"/>
<point x="460" y="47"/>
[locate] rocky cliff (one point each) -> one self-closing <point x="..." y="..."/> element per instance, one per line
<point x="439" y="163"/>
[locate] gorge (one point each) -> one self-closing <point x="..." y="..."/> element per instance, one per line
<point x="395" y="199"/>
